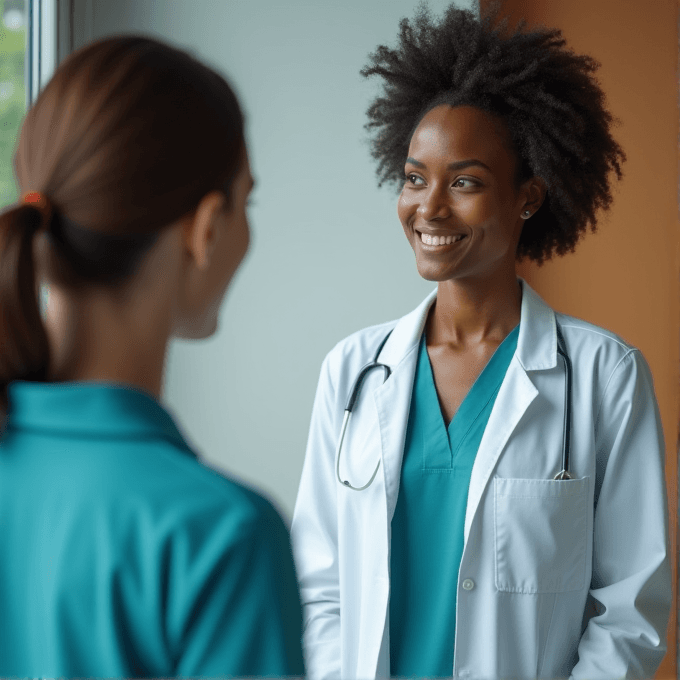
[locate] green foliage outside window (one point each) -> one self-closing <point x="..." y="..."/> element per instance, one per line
<point x="13" y="32"/>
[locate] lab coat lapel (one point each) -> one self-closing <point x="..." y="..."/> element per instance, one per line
<point x="516" y="393"/>
<point x="393" y="398"/>
<point x="536" y="350"/>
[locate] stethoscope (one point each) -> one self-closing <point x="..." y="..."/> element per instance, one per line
<point x="356" y="388"/>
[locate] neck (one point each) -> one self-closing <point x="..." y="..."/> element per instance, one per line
<point x="100" y="339"/>
<point x="473" y="311"/>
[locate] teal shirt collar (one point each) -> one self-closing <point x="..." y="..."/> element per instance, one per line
<point x="94" y="409"/>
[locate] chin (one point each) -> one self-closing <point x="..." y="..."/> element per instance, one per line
<point x="428" y="276"/>
<point x="198" y="332"/>
<point x="434" y="274"/>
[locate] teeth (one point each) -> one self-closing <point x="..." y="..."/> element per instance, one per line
<point x="439" y="240"/>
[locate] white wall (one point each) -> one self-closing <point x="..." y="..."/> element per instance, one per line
<point x="328" y="254"/>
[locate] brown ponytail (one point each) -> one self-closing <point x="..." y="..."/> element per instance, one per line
<point x="126" y="138"/>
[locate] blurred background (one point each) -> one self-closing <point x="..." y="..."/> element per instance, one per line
<point x="328" y="255"/>
<point x="12" y="89"/>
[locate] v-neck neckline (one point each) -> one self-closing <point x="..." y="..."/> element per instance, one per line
<point x="483" y="390"/>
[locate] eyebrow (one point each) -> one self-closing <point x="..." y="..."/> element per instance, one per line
<point x="458" y="165"/>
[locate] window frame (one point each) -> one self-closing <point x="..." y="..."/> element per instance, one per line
<point x="48" y="42"/>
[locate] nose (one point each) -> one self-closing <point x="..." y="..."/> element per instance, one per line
<point x="434" y="204"/>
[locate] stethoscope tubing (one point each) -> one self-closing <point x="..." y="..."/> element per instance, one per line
<point x="563" y="474"/>
<point x="353" y="395"/>
<point x="566" y="436"/>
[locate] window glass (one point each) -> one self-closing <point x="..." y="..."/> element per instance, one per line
<point x="13" y="32"/>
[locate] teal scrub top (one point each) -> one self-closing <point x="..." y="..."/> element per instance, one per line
<point x="429" y="519"/>
<point x="122" y="555"/>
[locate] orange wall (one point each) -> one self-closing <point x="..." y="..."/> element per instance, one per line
<point x="626" y="276"/>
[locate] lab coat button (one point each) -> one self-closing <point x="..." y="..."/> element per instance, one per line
<point x="468" y="584"/>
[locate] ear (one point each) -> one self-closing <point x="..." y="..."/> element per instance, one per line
<point x="534" y="190"/>
<point x="200" y="229"/>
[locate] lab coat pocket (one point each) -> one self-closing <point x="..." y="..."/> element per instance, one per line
<point x="540" y="531"/>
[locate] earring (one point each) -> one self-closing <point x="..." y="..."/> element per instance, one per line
<point x="526" y="214"/>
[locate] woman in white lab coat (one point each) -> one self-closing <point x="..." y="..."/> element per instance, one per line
<point x="490" y="513"/>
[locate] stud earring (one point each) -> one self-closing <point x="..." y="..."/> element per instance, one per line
<point x="526" y="214"/>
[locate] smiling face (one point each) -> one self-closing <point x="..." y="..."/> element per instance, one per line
<point x="461" y="206"/>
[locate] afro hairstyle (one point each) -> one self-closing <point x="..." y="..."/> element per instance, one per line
<point x="552" y="106"/>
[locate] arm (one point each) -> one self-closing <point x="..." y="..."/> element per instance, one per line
<point x="631" y="578"/>
<point x="237" y="611"/>
<point x="315" y="537"/>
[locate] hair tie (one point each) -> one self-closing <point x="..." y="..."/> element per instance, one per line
<point x="41" y="203"/>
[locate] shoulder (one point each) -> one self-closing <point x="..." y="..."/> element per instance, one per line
<point x="219" y="489"/>
<point x="361" y="345"/>
<point x="358" y="349"/>
<point x="344" y="361"/>
<point x="613" y="364"/>
<point x="590" y="333"/>
<point x="589" y="343"/>
<point x="188" y="497"/>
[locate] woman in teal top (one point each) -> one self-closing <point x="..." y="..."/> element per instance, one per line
<point x="120" y="553"/>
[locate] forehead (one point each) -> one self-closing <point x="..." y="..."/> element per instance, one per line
<point x="462" y="132"/>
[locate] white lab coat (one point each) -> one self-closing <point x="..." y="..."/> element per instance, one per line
<point x="557" y="578"/>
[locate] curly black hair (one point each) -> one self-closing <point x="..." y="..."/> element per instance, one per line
<point x="551" y="103"/>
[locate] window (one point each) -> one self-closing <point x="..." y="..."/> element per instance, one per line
<point x="28" y="55"/>
<point x="13" y="80"/>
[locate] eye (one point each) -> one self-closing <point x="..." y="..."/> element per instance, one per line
<point x="466" y="183"/>
<point x="410" y="177"/>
